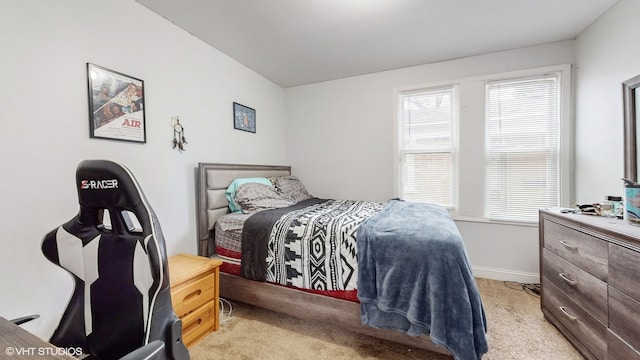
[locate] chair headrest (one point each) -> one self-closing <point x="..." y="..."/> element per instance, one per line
<point x="104" y="184"/>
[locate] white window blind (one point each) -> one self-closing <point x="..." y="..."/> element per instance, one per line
<point x="523" y="121"/>
<point x="428" y="146"/>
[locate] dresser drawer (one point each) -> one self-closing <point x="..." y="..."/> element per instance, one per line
<point x="191" y="295"/>
<point x="591" y="333"/>
<point x="585" y="251"/>
<point x="624" y="317"/>
<point x="198" y="324"/>
<point x="584" y="289"/>
<point x="624" y="270"/>
<point x="619" y="349"/>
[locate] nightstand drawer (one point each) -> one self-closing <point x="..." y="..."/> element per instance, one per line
<point x="583" y="288"/>
<point x="198" y="324"/>
<point x="585" y="251"/>
<point x="189" y="296"/>
<point x="591" y="333"/>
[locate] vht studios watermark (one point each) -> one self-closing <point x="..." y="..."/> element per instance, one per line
<point x="42" y="351"/>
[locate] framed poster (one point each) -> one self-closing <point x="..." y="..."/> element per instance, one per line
<point x="116" y="105"/>
<point x="244" y="118"/>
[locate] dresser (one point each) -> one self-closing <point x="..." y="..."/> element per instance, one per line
<point x="590" y="282"/>
<point x="195" y="294"/>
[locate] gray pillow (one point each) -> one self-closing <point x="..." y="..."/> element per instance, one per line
<point x="252" y="197"/>
<point x="292" y="187"/>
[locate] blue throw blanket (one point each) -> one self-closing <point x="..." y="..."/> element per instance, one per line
<point x="414" y="276"/>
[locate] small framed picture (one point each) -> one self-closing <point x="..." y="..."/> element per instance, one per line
<point x="116" y="105"/>
<point x="244" y="118"/>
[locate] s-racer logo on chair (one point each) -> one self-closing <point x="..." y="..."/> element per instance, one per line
<point x="98" y="184"/>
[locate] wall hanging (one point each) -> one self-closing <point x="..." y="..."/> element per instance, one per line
<point x="178" y="134"/>
<point x="244" y="118"/>
<point x="116" y="105"/>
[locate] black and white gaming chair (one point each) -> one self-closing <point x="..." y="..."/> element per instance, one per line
<point x="115" y="252"/>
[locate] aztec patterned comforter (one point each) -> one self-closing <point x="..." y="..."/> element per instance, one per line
<point x="311" y="245"/>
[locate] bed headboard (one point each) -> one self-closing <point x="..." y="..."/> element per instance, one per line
<point x="211" y="201"/>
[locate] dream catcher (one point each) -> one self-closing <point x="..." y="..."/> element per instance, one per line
<point x="178" y="135"/>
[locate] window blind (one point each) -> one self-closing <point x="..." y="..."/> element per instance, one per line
<point x="427" y="145"/>
<point x="523" y="121"/>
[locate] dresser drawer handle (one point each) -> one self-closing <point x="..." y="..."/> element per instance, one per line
<point x="567" y="245"/>
<point x="566" y="313"/>
<point x="567" y="280"/>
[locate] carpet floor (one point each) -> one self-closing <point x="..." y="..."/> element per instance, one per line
<point x="516" y="330"/>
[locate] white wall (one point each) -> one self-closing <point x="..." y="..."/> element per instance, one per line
<point x="608" y="54"/>
<point x="45" y="132"/>
<point x="341" y="144"/>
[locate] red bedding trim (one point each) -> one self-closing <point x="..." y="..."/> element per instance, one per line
<point x="349" y="295"/>
<point x="228" y="253"/>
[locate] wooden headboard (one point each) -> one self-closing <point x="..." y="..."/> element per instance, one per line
<point x="211" y="200"/>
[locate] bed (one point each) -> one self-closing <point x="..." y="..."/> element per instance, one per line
<point x="346" y="311"/>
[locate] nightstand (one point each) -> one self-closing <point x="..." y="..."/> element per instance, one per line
<point x="195" y="294"/>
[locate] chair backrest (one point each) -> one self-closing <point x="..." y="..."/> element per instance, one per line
<point x="115" y="252"/>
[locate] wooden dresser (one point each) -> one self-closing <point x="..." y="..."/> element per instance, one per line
<point x="195" y="294"/>
<point x="590" y="282"/>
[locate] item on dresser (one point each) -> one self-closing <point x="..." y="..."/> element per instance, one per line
<point x="616" y="204"/>
<point x="632" y="203"/>
<point x="303" y="228"/>
<point x="195" y="295"/>
<point x="588" y="209"/>
<point x="590" y="270"/>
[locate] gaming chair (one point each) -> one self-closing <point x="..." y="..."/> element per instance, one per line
<point x="115" y="252"/>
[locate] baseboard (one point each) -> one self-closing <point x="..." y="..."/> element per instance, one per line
<point x="506" y="275"/>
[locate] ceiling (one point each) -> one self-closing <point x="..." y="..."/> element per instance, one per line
<point x="296" y="42"/>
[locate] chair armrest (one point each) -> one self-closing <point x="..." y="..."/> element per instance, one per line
<point x="152" y="350"/>
<point x="177" y="348"/>
<point x="24" y="319"/>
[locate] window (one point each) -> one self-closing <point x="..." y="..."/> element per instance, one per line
<point x="522" y="146"/>
<point x="428" y="145"/>
<point x="495" y="147"/>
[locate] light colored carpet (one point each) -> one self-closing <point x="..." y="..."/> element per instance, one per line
<point x="517" y="330"/>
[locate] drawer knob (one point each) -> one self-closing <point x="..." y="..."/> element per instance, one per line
<point x="566" y="313"/>
<point x="567" y="279"/>
<point x="568" y="246"/>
